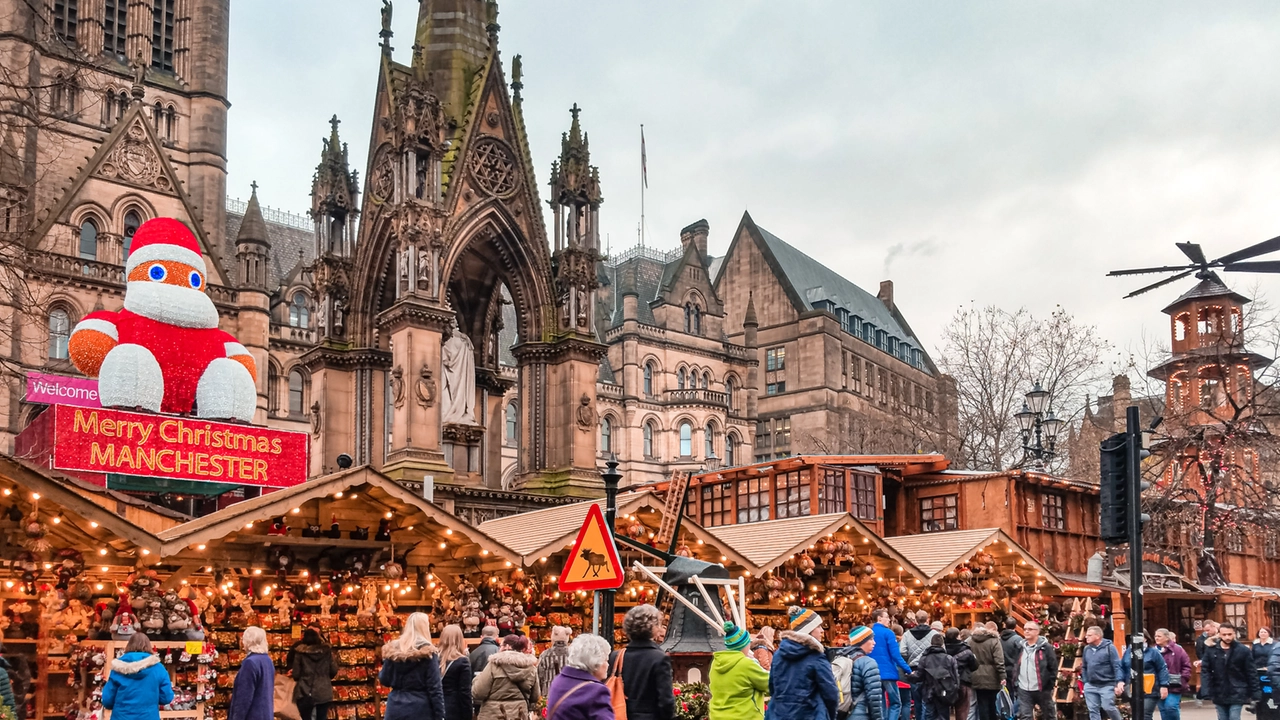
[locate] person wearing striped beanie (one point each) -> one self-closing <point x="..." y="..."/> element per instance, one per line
<point x="858" y="675"/>
<point x="801" y="684"/>
<point x="737" y="681"/>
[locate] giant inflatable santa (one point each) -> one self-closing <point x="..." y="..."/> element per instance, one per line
<point x="164" y="352"/>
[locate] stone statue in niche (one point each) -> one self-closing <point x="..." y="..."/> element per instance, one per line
<point x="322" y="314"/>
<point x="315" y="418"/>
<point x="457" y="357"/>
<point x="337" y="316"/>
<point x="397" y="386"/>
<point x="404" y="270"/>
<point x="424" y="269"/>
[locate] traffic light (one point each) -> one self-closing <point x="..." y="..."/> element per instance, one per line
<point x="1114" y="489"/>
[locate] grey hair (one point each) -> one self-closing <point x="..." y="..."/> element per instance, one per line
<point x="1096" y="629"/>
<point x="641" y="621"/>
<point x="1163" y="632"/>
<point x="255" y="640"/>
<point x="588" y="652"/>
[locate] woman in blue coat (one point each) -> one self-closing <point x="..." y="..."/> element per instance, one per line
<point x="412" y="671"/>
<point x="253" y="694"/>
<point x="138" y="684"/>
<point x="801" y="684"/>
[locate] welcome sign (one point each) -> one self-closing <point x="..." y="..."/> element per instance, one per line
<point x="100" y="440"/>
<point x="46" y="389"/>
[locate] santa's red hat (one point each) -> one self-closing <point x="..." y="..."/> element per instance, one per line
<point x="164" y="239"/>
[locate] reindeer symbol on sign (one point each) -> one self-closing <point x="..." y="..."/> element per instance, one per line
<point x="595" y="562"/>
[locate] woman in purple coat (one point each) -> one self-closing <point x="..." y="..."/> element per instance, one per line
<point x="579" y="692"/>
<point x="253" y="694"/>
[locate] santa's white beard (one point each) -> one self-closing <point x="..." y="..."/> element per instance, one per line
<point x="184" y="307"/>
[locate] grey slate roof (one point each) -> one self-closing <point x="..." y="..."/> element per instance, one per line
<point x="1211" y="286"/>
<point x="285" y="240"/>
<point x="816" y="282"/>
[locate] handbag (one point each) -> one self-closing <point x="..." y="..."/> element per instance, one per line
<point x="285" y="707"/>
<point x="617" y="694"/>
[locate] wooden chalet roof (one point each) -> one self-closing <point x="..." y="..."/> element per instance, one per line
<point x="907" y="465"/>
<point x="357" y="496"/>
<point x="541" y="533"/>
<point x="938" y="553"/>
<point x="769" y="544"/>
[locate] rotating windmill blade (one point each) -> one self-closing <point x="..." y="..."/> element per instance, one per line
<point x="1203" y="268"/>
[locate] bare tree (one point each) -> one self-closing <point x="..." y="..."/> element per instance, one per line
<point x="995" y="356"/>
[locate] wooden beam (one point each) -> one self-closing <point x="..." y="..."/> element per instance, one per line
<point x="182" y="573"/>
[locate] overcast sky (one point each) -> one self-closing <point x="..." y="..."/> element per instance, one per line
<point x="998" y="153"/>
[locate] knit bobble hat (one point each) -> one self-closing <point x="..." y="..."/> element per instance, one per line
<point x="803" y="620"/>
<point x="859" y="635"/>
<point x="735" y="638"/>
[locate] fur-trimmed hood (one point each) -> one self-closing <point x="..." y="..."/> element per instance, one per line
<point x="136" y="663"/>
<point x="807" y="641"/>
<point x="392" y="651"/>
<point x="513" y="659"/>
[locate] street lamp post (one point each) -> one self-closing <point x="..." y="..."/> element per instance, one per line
<point x="1039" y="426"/>
<point x="605" y="598"/>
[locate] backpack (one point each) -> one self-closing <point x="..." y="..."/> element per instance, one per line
<point x="946" y="688"/>
<point x="842" y="668"/>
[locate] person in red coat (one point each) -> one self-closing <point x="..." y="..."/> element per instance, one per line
<point x="164" y="352"/>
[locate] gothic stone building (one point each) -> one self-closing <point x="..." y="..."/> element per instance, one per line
<point x="424" y="319"/>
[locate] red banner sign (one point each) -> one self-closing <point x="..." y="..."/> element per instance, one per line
<point x="95" y="440"/>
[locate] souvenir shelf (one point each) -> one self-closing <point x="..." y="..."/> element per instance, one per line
<point x="190" y="666"/>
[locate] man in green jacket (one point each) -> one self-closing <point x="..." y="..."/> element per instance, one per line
<point x="738" y="683"/>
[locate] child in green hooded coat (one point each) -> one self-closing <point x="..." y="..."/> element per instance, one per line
<point x="738" y="683"/>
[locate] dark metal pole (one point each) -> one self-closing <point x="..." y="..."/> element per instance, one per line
<point x="611" y="478"/>
<point x="1137" y="644"/>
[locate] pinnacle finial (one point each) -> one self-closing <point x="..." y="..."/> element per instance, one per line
<point x="253" y="188"/>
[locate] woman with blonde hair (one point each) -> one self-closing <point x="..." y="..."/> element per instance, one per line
<point x="455" y="669"/>
<point x="412" y="671"/>
<point x="253" y="694"/>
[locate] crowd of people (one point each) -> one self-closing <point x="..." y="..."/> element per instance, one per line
<point x="881" y="672"/>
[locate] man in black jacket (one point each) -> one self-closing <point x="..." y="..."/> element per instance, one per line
<point x="1011" y="641"/>
<point x="487" y="648"/>
<point x="1228" y="673"/>
<point x="1205" y="640"/>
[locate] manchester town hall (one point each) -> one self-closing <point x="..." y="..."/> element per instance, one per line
<point x="428" y="315"/>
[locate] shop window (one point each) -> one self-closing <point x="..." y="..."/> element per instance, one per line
<point x="295" y="393"/>
<point x="648" y="440"/>
<point x="831" y="498"/>
<point x="686" y="440"/>
<point x="1053" y="511"/>
<point x="753" y="499"/>
<point x="648" y="379"/>
<point x="938" y="514"/>
<point x="717" y="504"/>
<point x="606" y="435"/>
<point x="59" y="333"/>
<point x="791" y="495"/>
<point x="513" y="423"/>
<point x="864" y="496"/>
<point x="88" y="246"/>
<point x="1237" y="614"/>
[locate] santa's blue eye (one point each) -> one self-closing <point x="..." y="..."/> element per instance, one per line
<point x="195" y="279"/>
<point x="157" y="272"/>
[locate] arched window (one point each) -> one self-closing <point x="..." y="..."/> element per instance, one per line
<point x="692" y="319"/>
<point x="132" y="221"/>
<point x="122" y="104"/>
<point x="157" y="116"/>
<point x="706" y="380"/>
<point x="648" y="439"/>
<point x="88" y="240"/>
<point x="648" y="379"/>
<point x="299" y="315"/>
<point x="59" y="333"/>
<point x="295" y="393"/>
<point x="728" y="391"/>
<point x="730" y="451"/>
<point x="686" y="440"/>
<point x="680" y="379"/>
<point x="606" y="435"/>
<point x="513" y="423"/>
<point x="273" y="388"/>
<point x="710" y="440"/>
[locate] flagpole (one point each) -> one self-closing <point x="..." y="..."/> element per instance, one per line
<point x="644" y="182"/>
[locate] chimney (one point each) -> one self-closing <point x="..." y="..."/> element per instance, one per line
<point x="696" y="234"/>
<point x="886" y="293"/>
<point x="1121" y="397"/>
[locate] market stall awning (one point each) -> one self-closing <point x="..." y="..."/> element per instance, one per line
<point x="86" y="515"/>
<point x="938" y="553"/>
<point x="542" y="533"/>
<point x="359" y="497"/>
<point x="771" y="543"/>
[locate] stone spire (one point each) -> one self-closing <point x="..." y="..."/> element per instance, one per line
<point x="575" y="189"/>
<point x="253" y="247"/>
<point x="749" y="319"/>
<point x="453" y="37"/>
<point x="334" y="191"/>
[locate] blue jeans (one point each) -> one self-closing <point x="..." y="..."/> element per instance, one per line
<point x="893" y="704"/>
<point x="1101" y="699"/>
<point x="1228" y="712"/>
<point x="1171" y="707"/>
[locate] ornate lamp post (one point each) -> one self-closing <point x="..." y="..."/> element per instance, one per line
<point x="1039" y="426"/>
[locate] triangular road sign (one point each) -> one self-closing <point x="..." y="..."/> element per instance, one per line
<point x="593" y="562"/>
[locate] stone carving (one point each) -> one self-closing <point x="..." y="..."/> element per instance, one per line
<point x="386" y="17"/>
<point x="397" y="386"/>
<point x="425" y="388"/>
<point x="384" y="175"/>
<point x="493" y="167"/>
<point x="134" y="160"/>
<point x="315" y="418"/>
<point x="424" y="269"/>
<point x="457" y="357"/>
<point x="585" y="413"/>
